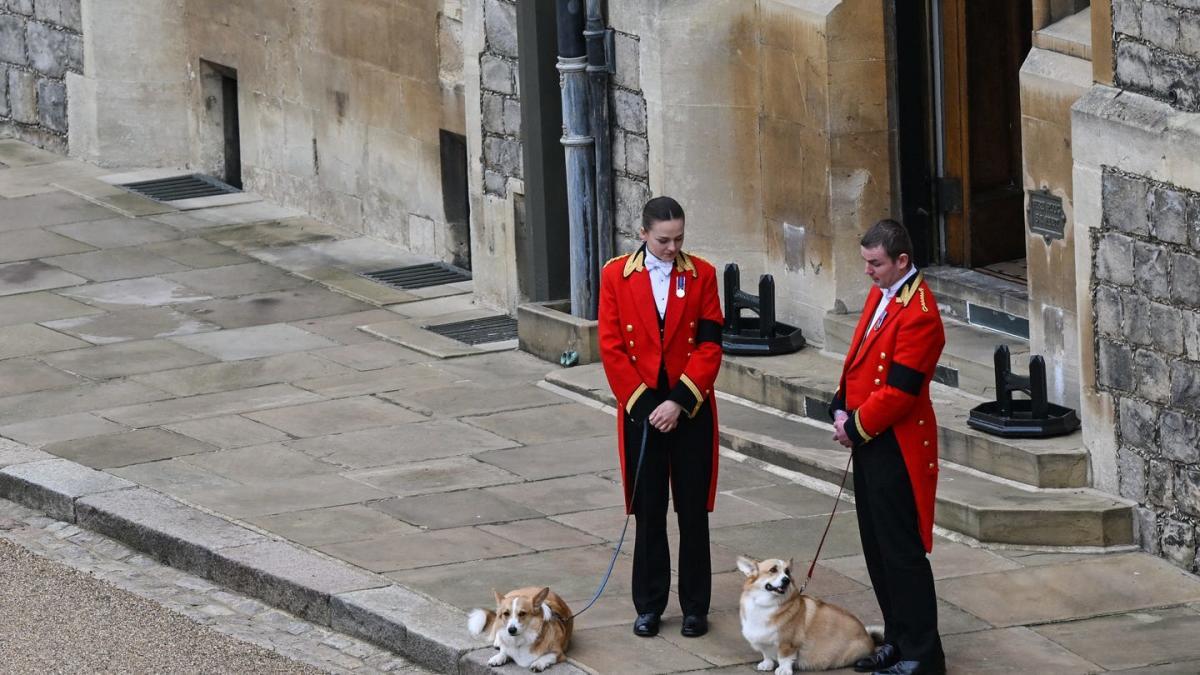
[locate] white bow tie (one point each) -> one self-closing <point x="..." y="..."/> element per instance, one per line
<point x="658" y="265"/>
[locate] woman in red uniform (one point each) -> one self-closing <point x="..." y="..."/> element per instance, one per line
<point x="660" y="341"/>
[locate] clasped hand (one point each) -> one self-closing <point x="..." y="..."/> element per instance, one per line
<point x="839" y="428"/>
<point x="666" y="416"/>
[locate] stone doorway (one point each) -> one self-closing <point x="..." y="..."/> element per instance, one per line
<point x="958" y="65"/>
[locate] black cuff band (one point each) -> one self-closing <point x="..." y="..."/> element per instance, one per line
<point x="685" y="397"/>
<point x="644" y="405"/>
<point x="708" y="330"/>
<point x="907" y="380"/>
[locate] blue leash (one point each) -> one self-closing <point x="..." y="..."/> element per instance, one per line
<point x="636" y="473"/>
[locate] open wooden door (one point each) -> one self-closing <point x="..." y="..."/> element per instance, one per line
<point x="979" y="191"/>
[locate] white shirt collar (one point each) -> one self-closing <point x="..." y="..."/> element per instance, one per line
<point x="654" y="263"/>
<point x="891" y="291"/>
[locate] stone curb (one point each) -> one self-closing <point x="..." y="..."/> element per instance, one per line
<point x="327" y="592"/>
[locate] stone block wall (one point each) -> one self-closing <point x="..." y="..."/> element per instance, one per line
<point x="500" y="97"/>
<point x="1146" y="299"/>
<point x="40" y="41"/>
<point x="631" y="149"/>
<point x="1157" y="48"/>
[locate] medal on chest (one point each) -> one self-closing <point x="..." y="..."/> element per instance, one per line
<point x="679" y="286"/>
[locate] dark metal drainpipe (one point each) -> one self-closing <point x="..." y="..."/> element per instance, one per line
<point x="581" y="206"/>
<point x="598" y="69"/>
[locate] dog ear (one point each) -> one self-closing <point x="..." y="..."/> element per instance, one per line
<point x="499" y="598"/>
<point x="541" y="596"/>
<point x="748" y="566"/>
<point x="791" y="563"/>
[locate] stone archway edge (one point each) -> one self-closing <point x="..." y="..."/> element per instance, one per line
<point x="349" y="600"/>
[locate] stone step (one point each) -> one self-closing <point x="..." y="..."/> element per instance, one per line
<point x="804" y="382"/>
<point x="989" y="511"/>
<point x="981" y="299"/>
<point x="968" y="360"/>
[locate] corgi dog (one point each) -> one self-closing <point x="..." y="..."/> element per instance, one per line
<point x="793" y="630"/>
<point x="532" y="626"/>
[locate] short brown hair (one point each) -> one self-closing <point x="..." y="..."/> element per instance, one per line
<point x="891" y="235"/>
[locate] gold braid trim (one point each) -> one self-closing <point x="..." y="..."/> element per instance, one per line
<point x="924" y="307"/>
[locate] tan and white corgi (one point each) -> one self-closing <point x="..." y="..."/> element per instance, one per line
<point x="532" y="626"/>
<point x="793" y="630"/>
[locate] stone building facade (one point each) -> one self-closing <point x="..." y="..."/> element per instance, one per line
<point x="1136" y="144"/>
<point x="40" y="43"/>
<point x="785" y="127"/>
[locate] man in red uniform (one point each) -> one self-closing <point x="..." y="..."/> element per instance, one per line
<point x="883" y="412"/>
<point x="660" y="342"/>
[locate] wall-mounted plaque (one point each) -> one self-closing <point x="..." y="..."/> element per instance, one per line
<point x="1046" y="216"/>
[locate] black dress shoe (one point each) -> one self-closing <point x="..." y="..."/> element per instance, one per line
<point x="646" y="625"/>
<point x="915" y="668"/>
<point x="694" y="625"/>
<point x="886" y="655"/>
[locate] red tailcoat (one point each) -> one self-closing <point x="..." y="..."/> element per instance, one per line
<point x="690" y="345"/>
<point x="885" y="386"/>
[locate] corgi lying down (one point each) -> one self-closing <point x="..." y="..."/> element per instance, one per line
<point x="532" y="626"/>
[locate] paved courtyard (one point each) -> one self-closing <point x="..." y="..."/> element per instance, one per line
<point x="231" y="358"/>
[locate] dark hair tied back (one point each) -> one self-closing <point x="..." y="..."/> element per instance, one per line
<point x="660" y="209"/>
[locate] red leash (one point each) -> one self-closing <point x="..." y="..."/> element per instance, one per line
<point x="836" y="501"/>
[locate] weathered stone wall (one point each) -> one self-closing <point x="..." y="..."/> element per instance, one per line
<point x="1146" y="285"/>
<point x="1158" y="49"/>
<point x="39" y="43"/>
<point x="631" y="149"/>
<point x="500" y="103"/>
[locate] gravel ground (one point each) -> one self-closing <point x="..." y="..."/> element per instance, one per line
<point x="56" y="619"/>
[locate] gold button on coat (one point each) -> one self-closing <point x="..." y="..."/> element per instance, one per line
<point x="631" y="343"/>
<point x="691" y="324"/>
<point x="932" y="465"/>
<point x="634" y="357"/>
<point x="877" y="382"/>
<point x="927" y="444"/>
<point x="883" y="355"/>
<point x="628" y="328"/>
<point x="880" y="368"/>
<point x="691" y="341"/>
<point x="920" y="423"/>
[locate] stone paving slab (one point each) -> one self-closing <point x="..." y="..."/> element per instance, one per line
<point x="118" y="232"/>
<point x="426" y="630"/>
<point x="15" y="453"/>
<point x="414" y="376"/>
<point x="229" y="431"/>
<point x="335" y="524"/>
<point x="115" y="264"/>
<point x="465" y="401"/>
<point x="1011" y="650"/>
<point x="249" y="343"/>
<point x="244" y="374"/>
<point x="34" y="275"/>
<point x="53" y="485"/>
<point x="41" y="306"/>
<point x="196" y="253"/>
<point x="435" y="475"/>
<point x="554" y="460"/>
<point x="209" y="405"/>
<point x="62" y="428"/>
<point x="126" y="358"/>
<point x="1069" y="591"/>
<point x="16" y="153"/>
<point x="276" y="229"/>
<point x="84" y="397"/>
<point x="455" y="509"/>
<point x="615" y="649"/>
<point x="1131" y="640"/>
<point x="173" y="476"/>
<point x="283" y="495"/>
<point x="238" y="280"/>
<point x="541" y="534"/>
<point x="46" y="210"/>
<point x="406" y="443"/>
<point x="343" y="328"/>
<point x="356" y="254"/>
<point x="35" y="243"/>
<point x="337" y="416"/>
<point x="292" y="305"/>
<point x="134" y="324"/>
<point x="372" y="355"/>
<point x="34" y="181"/>
<point x="949" y="559"/>
<point x="260" y="464"/>
<point x="29" y="338"/>
<point x="527" y="426"/>
<point x="412" y="335"/>
<point x="141" y="292"/>
<point x="422" y="549"/>
<point x="793" y="538"/>
<point x="24" y="375"/>
<point x="123" y="449"/>
<point x="563" y="495"/>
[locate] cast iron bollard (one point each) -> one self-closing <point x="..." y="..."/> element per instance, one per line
<point x="755" y="336"/>
<point x="1036" y="417"/>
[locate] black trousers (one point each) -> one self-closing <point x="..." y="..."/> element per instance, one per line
<point x="683" y="460"/>
<point x="895" y="554"/>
